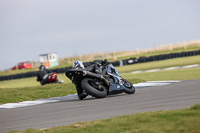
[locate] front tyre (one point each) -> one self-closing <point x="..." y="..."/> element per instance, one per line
<point x="129" y="88"/>
<point x="93" y="88"/>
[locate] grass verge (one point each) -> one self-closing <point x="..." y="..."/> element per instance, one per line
<point x="179" y="74"/>
<point x="13" y="95"/>
<point x="160" y="64"/>
<point x="175" y="121"/>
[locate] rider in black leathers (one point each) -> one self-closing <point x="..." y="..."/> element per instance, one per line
<point x="96" y="66"/>
<point x="42" y="75"/>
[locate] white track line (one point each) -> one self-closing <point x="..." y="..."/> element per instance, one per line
<point x="169" y="68"/>
<point x="75" y="97"/>
<point x="153" y="83"/>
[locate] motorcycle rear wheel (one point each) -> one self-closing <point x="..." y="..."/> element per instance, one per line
<point x="129" y="88"/>
<point x="88" y="84"/>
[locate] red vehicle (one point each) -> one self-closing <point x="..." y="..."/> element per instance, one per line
<point x="22" y="65"/>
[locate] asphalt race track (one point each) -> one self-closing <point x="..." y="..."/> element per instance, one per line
<point x="173" y="96"/>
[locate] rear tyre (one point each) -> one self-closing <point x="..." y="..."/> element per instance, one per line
<point x="129" y="88"/>
<point x="98" y="91"/>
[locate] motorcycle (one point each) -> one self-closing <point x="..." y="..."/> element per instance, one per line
<point x="100" y="85"/>
<point x="52" y="78"/>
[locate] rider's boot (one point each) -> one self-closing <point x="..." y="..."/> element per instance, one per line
<point x="82" y="96"/>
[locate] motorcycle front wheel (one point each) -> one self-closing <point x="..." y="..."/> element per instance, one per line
<point x="93" y="88"/>
<point x="129" y="88"/>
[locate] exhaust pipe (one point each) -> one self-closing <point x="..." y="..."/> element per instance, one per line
<point x="94" y="75"/>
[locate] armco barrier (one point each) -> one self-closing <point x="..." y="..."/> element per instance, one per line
<point x="116" y="63"/>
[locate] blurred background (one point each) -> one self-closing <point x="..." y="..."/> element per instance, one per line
<point x="29" y="29"/>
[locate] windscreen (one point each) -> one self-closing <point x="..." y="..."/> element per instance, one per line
<point x="111" y="69"/>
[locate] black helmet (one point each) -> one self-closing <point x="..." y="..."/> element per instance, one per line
<point x="42" y="67"/>
<point x="104" y="61"/>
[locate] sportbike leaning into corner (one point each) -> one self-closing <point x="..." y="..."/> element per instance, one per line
<point x="98" y="79"/>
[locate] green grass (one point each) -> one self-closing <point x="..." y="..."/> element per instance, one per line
<point x="13" y="95"/>
<point x="19" y="94"/>
<point x="28" y="89"/>
<point x="179" y="74"/>
<point x="160" y="64"/>
<point x="175" y="121"/>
